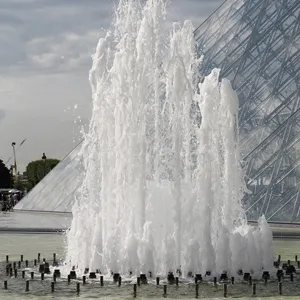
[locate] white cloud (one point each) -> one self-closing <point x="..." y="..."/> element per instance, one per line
<point x="65" y="52"/>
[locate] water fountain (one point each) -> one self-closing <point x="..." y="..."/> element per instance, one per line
<point x="163" y="183"/>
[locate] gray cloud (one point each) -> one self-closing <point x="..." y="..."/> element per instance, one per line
<point x="60" y="35"/>
<point x="2" y="115"/>
<point x="37" y="33"/>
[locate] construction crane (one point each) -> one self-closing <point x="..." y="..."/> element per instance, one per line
<point x="14" y="155"/>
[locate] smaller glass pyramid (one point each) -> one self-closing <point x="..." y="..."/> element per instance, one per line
<point x="56" y="192"/>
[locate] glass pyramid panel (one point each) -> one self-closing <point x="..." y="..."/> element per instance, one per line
<point x="256" y="43"/>
<point x="56" y="192"/>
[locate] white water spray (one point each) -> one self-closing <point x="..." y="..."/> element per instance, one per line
<point x="161" y="192"/>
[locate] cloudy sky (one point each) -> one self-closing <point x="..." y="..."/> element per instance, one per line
<point x="45" y="56"/>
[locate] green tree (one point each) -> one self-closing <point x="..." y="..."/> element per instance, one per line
<point x="21" y="183"/>
<point x="5" y="176"/>
<point x="38" y="169"/>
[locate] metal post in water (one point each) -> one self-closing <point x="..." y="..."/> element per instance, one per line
<point x="32" y="275"/>
<point x="120" y="280"/>
<point x="296" y="258"/>
<point x="21" y="258"/>
<point x="101" y="280"/>
<point x="197" y="290"/>
<point x="54" y="277"/>
<point x="15" y="265"/>
<point x="165" y="290"/>
<point x="73" y="274"/>
<point x="279" y="258"/>
<point x="27" y="285"/>
<point x="177" y="281"/>
<point x="215" y="281"/>
<point x="138" y="280"/>
<point x="69" y="278"/>
<point x="289" y="262"/>
<point x="83" y="279"/>
<point x="16" y="273"/>
<point x="292" y="277"/>
<point x="52" y="286"/>
<point x="26" y="263"/>
<point x="232" y="280"/>
<point x="57" y="273"/>
<point x="157" y="280"/>
<point x="225" y="290"/>
<point x="254" y="289"/>
<point x="23" y="274"/>
<point x="11" y="272"/>
<point x="42" y="268"/>
<point x="134" y="290"/>
<point x="42" y="276"/>
<point x="250" y="280"/>
<point x="35" y="262"/>
<point x="5" y="284"/>
<point x="7" y="270"/>
<point x="280" y="288"/>
<point x="39" y="257"/>
<point x="78" y="287"/>
<point x="7" y="258"/>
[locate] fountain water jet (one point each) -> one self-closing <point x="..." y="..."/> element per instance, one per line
<point x="161" y="192"/>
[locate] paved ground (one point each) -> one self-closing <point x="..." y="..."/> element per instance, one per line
<point x="33" y="222"/>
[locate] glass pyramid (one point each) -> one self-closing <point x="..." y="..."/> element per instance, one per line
<point x="56" y="192"/>
<point x="256" y="43"/>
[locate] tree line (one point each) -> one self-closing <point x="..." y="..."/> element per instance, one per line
<point x="35" y="172"/>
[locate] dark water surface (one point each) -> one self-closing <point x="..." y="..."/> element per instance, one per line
<point x="29" y="245"/>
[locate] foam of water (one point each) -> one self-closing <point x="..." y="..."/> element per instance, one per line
<point x="161" y="192"/>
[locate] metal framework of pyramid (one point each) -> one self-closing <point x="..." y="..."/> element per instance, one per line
<point x="256" y="44"/>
